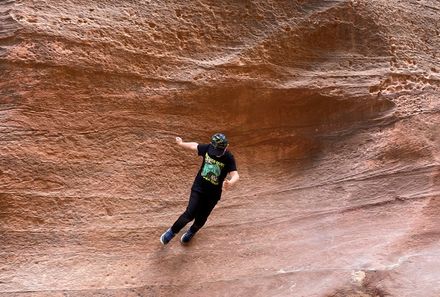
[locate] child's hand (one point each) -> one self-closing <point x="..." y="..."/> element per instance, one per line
<point x="226" y="184"/>
<point x="178" y="140"/>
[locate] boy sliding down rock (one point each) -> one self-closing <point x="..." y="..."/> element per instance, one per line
<point x="206" y="191"/>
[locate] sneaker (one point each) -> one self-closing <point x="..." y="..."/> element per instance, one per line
<point x="186" y="237"/>
<point x="167" y="236"/>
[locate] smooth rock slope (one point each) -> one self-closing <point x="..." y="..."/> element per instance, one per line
<point x="332" y="111"/>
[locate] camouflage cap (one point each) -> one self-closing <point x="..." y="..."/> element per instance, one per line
<point x="219" y="142"/>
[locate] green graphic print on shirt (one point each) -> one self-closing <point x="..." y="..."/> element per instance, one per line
<point x="212" y="169"/>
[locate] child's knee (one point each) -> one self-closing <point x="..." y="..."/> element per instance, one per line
<point x="189" y="215"/>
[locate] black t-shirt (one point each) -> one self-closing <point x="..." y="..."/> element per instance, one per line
<point x="213" y="171"/>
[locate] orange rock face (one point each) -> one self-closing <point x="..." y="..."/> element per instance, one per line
<point x="332" y="111"/>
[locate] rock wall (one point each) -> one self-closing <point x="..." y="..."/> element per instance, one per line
<point x="331" y="108"/>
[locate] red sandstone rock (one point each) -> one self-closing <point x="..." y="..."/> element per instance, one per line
<point x="332" y="111"/>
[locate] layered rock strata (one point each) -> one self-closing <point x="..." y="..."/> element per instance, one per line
<point x="332" y="112"/>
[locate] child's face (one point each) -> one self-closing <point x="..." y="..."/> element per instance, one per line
<point x="224" y="151"/>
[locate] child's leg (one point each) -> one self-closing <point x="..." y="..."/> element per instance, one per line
<point x="203" y="213"/>
<point x="190" y="213"/>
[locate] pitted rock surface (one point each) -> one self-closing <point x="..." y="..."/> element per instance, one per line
<point x="331" y="109"/>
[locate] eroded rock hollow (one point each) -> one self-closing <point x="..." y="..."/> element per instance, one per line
<point x="331" y="108"/>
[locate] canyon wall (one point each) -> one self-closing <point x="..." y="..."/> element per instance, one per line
<point x="331" y="109"/>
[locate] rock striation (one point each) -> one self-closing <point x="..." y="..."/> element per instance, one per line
<point x="332" y="111"/>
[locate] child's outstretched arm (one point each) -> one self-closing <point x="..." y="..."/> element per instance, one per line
<point x="187" y="145"/>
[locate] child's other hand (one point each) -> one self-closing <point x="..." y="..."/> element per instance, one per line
<point x="227" y="184"/>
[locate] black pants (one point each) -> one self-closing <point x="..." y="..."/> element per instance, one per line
<point x="199" y="208"/>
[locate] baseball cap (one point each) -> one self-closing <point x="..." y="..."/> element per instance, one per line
<point x="219" y="142"/>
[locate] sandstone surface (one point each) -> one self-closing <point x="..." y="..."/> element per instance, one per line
<point x="332" y="110"/>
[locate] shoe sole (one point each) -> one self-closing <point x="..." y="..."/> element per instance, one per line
<point x="161" y="240"/>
